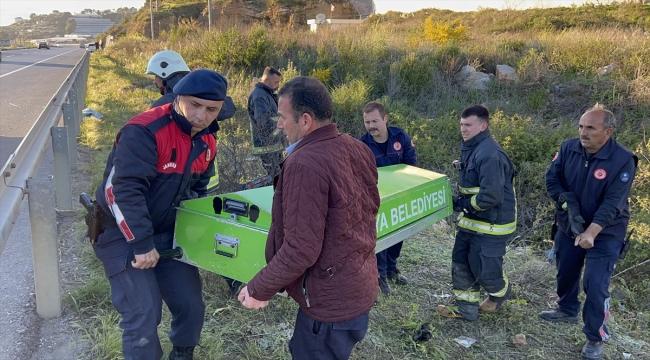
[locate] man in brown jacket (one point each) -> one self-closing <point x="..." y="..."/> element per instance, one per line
<point x="321" y="244"/>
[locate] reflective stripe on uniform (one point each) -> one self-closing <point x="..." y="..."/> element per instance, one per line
<point x="466" y="295"/>
<point x="258" y="150"/>
<point x="487" y="228"/>
<point x="468" y="191"/>
<point x="474" y="204"/>
<point x="502" y="292"/>
<point x="214" y="180"/>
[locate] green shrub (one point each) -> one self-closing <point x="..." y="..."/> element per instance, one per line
<point x="349" y="100"/>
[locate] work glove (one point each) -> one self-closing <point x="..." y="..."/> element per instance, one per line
<point x="461" y="204"/>
<point x="569" y="202"/>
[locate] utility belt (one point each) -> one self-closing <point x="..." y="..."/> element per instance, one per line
<point x="95" y="218"/>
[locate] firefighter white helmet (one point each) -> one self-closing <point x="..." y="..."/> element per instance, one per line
<point x="166" y="63"/>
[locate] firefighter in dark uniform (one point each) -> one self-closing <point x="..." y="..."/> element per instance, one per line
<point x="487" y="220"/>
<point x="159" y="158"/>
<point x="391" y="146"/>
<point x="590" y="180"/>
<point x="262" y="109"/>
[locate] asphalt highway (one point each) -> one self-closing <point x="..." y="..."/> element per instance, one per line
<point x="28" y="80"/>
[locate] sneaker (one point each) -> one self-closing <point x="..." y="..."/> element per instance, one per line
<point x="593" y="350"/>
<point x="557" y="316"/>
<point x="384" y="286"/>
<point x="490" y="307"/>
<point x="396" y="277"/>
<point x="182" y="353"/>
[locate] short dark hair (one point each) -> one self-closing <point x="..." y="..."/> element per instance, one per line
<point x="308" y="95"/>
<point x="270" y="70"/>
<point x="481" y="112"/>
<point x="375" y="105"/>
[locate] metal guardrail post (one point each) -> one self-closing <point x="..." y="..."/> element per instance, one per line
<point x="73" y="97"/>
<point x="68" y="121"/>
<point x="42" y="217"/>
<point x="84" y="80"/>
<point x="60" y="149"/>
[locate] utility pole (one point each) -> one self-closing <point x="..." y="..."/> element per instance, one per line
<point x="209" y="15"/>
<point x="151" y="13"/>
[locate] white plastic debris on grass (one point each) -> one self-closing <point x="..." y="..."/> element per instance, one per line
<point x="90" y="112"/>
<point x="627" y="355"/>
<point x="465" y="341"/>
<point x="441" y="296"/>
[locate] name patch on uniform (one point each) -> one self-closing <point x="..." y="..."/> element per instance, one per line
<point x="556" y="155"/>
<point x="397" y="146"/>
<point x="625" y="177"/>
<point x="600" y="174"/>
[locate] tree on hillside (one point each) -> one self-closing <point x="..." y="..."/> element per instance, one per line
<point x="70" y="25"/>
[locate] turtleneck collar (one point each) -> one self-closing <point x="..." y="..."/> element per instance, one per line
<point x="466" y="145"/>
<point x="186" y="126"/>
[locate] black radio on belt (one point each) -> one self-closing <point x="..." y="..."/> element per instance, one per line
<point x="626" y="245"/>
<point x="458" y="165"/>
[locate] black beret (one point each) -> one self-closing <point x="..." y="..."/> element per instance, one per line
<point x="204" y="84"/>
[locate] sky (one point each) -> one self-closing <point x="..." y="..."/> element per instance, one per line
<point x="383" y="6"/>
<point x="10" y="9"/>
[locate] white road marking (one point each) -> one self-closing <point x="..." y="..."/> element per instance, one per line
<point x="25" y="67"/>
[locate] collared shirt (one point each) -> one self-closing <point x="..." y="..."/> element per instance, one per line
<point x="292" y="146"/>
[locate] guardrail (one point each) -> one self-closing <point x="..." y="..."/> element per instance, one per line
<point x="17" y="182"/>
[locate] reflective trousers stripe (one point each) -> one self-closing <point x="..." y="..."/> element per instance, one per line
<point x="467" y="295"/>
<point x="502" y="292"/>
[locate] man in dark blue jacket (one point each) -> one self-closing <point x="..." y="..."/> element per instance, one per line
<point x="391" y="146"/>
<point x="590" y="180"/>
<point x="487" y="221"/>
<point x="159" y="158"/>
<point x="262" y="109"/>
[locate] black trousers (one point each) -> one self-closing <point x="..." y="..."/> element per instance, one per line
<point x="138" y="296"/>
<point x="315" y="340"/>
<point x="598" y="263"/>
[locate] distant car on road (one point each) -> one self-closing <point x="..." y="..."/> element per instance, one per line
<point x="43" y="45"/>
<point x="91" y="47"/>
<point x="82" y="45"/>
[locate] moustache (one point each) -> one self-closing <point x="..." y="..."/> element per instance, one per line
<point x="584" y="138"/>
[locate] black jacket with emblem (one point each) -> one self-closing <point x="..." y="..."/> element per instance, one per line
<point x="602" y="185"/>
<point x="486" y="185"/>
